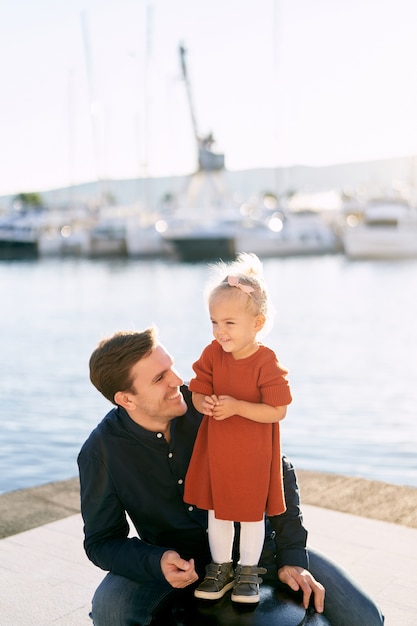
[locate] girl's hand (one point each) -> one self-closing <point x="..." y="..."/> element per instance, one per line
<point x="225" y="407"/>
<point x="208" y="404"/>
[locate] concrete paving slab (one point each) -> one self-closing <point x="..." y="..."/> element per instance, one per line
<point x="381" y="556"/>
<point x="48" y="578"/>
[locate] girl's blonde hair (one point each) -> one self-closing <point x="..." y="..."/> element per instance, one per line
<point x="245" y="272"/>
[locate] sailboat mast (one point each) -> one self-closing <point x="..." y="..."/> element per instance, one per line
<point x="92" y="98"/>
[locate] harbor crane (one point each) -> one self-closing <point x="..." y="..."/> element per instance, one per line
<point x="207" y="159"/>
<point x="206" y="183"/>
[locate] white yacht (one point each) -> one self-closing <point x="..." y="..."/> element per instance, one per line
<point x="385" y="229"/>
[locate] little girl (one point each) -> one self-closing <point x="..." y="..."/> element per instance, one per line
<point x="235" y="470"/>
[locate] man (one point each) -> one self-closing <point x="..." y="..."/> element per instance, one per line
<point x="134" y="463"/>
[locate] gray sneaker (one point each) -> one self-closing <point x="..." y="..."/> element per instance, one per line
<point x="218" y="580"/>
<point x="247" y="581"/>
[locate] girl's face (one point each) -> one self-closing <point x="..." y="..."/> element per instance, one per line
<point x="234" y="326"/>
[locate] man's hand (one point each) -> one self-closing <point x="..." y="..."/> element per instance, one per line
<point x="178" y="572"/>
<point x="298" y="578"/>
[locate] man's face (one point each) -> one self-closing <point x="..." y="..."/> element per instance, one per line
<point x="155" y="392"/>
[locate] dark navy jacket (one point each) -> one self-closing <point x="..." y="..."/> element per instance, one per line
<point x="125" y="469"/>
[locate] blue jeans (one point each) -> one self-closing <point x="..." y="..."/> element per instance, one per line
<point x="345" y="603"/>
<point x="121" y="601"/>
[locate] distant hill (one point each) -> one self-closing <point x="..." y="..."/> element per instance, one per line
<point x="375" y="177"/>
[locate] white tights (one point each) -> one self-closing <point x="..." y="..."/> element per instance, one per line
<point x="221" y="534"/>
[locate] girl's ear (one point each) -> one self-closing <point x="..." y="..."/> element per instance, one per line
<point x="259" y="322"/>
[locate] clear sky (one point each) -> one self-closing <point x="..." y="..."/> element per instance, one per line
<point x="93" y="88"/>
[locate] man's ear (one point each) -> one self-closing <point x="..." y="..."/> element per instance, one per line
<point x="122" y="398"/>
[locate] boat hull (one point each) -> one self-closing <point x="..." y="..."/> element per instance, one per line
<point x="380" y="243"/>
<point x="384" y="229"/>
<point x="275" y="246"/>
<point x="203" y="248"/>
<point x="10" y="249"/>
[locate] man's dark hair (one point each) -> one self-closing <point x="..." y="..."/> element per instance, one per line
<point x="112" y="361"/>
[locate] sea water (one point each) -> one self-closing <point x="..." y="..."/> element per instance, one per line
<point x="346" y="331"/>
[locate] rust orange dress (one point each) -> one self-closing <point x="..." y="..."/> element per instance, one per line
<point x="235" y="468"/>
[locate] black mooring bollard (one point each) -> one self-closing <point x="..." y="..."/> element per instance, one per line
<point x="275" y="608"/>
